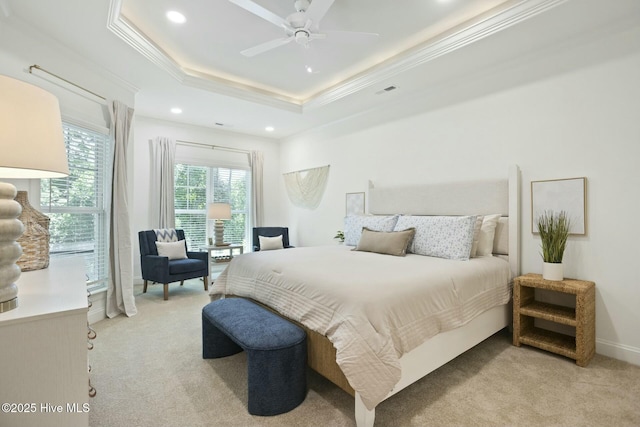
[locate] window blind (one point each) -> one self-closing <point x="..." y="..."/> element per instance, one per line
<point x="77" y="204"/>
<point x="196" y="187"/>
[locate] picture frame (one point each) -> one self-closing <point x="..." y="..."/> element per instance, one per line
<point x="556" y="195"/>
<point x="354" y="203"/>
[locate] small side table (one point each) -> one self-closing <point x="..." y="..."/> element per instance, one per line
<point x="581" y="348"/>
<point x="220" y="254"/>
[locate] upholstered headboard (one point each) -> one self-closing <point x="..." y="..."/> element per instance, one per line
<point x="454" y="198"/>
<point x="460" y="198"/>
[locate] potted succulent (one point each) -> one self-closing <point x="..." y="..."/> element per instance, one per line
<point x="554" y="231"/>
<point x="340" y="236"/>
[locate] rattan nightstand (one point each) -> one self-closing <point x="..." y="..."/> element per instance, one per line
<point x="581" y="348"/>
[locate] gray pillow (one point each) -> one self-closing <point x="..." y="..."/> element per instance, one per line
<point x="385" y="242"/>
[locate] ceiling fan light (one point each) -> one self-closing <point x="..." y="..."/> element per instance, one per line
<point x="302" y="37"/>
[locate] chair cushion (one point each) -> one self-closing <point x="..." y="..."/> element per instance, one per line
<point x="180" y="266"/>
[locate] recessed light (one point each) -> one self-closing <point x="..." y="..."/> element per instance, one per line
<point x="176" y="110"/>
<point x="269" y="129"/>
<point x="309" y="69"/>
<point x="176" y="17"/>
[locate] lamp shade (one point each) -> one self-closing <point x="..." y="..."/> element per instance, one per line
<point x="30" y="132"/>
<point x="32" y="146"/>
<point x="219" y="211"/>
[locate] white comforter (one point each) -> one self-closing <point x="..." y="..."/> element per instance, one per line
<point x="373" y="308"/>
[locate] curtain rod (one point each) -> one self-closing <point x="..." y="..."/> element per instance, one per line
<point x="39" y="68"/>
<point x="213" y="147"/>
<point x="306" y="170"/>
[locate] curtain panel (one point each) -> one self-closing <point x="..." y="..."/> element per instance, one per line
<point x="120" y="297"/>
<point x="163" y="155"/>
<point x="257" y="198"/>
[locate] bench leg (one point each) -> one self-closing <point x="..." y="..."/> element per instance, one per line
<point x="206" y="283"/>
<point x="166" y="291"/>
<point x="144" y="287"/>
<point x="277" y="379"/>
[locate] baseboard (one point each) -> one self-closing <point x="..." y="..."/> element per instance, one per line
<point x="618" y="351"/>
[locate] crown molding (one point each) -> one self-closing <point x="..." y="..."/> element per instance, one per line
<point x="517" y="12"/>
<point x="512" y="13"/>
<point x="137" y="40"/>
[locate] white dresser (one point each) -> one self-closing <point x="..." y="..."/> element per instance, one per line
<point x="43" y="349"/>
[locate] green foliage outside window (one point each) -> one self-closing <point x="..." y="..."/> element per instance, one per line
<point x="192" y="195"/>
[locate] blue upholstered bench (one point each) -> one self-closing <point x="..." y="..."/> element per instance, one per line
<point x="276" y="352"/>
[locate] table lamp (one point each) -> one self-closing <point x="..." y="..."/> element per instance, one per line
<point x="32" y="146"/>
<point x="219" y="212"/>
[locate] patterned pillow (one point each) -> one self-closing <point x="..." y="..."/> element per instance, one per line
<point x="353" y="226"/>
<point x="448" y="237"/>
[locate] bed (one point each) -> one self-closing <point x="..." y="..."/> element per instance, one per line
<point x="377" y="323"/>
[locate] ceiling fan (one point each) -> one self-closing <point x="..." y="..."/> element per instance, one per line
<point x="301" y="26"/>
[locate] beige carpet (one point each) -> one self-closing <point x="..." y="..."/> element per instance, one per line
<point x="148" y="371"/>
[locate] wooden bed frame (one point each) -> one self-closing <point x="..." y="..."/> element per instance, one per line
<point x="478" y="198"/>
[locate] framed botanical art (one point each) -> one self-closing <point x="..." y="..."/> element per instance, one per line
<point x="355" y="204"/>
<point x="556" y="195"/>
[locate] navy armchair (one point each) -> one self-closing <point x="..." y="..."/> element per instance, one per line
<point x="270" y="232"/>
<point x="161" y="269"/>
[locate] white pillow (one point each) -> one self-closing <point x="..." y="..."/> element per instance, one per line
<point x="354" y="224"/>
<point x="487" y="233"/>
<point x="173" y="250"/>
<point x="449" y="237"/>
<point x="270" y="243"/>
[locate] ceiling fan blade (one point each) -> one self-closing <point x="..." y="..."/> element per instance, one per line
<point x="317" y="9"/>
<point x="261" y="12"/>
<point x="263" y="47"/>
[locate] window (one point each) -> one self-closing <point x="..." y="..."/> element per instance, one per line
<point x="77" y="204"/>
<point x="196" y="186"/>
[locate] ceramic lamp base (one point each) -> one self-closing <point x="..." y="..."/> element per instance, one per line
<point x="219" y="233"/>
<point x="10" y="230"/>
<point x="552" y="271"/>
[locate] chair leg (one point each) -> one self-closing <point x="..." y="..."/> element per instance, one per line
<point x="181" y="282"/>
<point x="206" y="283"/>
<point x="166" y="291"/>
<point x="144" y="288"/>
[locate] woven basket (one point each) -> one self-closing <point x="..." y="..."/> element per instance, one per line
<point x="35" y="239"/>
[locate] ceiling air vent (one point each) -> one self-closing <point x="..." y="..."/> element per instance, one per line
<point x="386" y="89"/>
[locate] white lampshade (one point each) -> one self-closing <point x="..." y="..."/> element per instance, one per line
<point x="32" y="146"/>
<point x="30" y="132"/>
<point x="219" y="211"/>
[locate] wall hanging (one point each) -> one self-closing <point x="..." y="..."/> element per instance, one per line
<point x="306" y="187"/>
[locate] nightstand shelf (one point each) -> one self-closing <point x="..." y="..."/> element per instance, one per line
<point x="551" y="312"/>
<point x="526" y="309"/>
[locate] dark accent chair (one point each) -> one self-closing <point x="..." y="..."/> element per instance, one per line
<point x="162" y="270"/>
<point x="270" y="232"/>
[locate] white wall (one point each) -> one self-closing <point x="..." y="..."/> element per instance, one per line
<point x="147" y="129"/>
<point x="581" y="122"/>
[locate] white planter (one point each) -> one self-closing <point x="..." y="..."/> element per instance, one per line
<point x="552" y="271"/>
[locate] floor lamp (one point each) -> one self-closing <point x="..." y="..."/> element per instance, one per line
<point x="219" y="212"/>
<point x="32" y="147"/>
